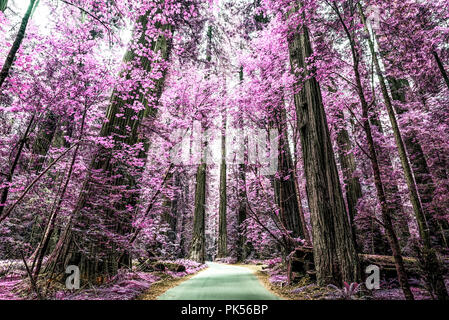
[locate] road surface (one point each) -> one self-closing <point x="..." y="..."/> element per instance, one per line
<point x="220" y="282"/>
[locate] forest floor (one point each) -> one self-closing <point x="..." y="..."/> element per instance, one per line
<point x="274" y="279"/>
<point x="221" y="282"/>
<point x="304" y="290"/>
<point x="126" y="285"/>
<point x="263" y="280"/>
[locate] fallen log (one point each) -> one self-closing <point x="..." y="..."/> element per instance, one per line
<point x="300" y="263"/>
<point x="387" y="266"/>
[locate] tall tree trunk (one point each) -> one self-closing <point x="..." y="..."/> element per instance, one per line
<point x="302" y="216"/>
<point x="43" y="140"/>
<point x="171" y="210"/>
<point x="348" y="167"/>
<point x="434" y="272"/>
<point x="12" y="170"/>
<point x="123" y="129"/>
<point x="16" y="45"/>
<point x="171" y="205"/>
<point x="335" y="255"/>
<point x="423" y="178"/>
<point x="183" y="200"/>
<point x="441" y="68"/>
<point x="285" y="189"/>
<point x="50" y="227"/>
<point x="222" y="222"/>
<point x="391" y="189"/>
<point x="241" y="247"/>
<point x="385" y="208"/>
<point x="198" y="244"/>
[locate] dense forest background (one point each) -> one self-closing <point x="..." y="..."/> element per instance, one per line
<point x="146" y="136"/>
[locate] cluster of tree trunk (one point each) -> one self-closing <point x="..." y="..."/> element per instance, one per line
<point x="334" y="248"/>
<point x="102" y="260"/>
<point x="222" y="250"/>
<point x="429" y="254"/>
<point x="351" y="181"/>
<point x="386" y="208"/>
<point x="198" y="243"/>
<point x="242" y="249"/>
<point x="421" y="172"/>
<point x="285" y="189"/>
<point x="301" y="263"/>
<point x="331" y="256"/>
<point x="4" y="72"/>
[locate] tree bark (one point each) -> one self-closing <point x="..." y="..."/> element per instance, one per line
<point x="198" y="244"/>
<point x="49" y="229"/>
<point x="335" y="255"/>
<point x="12" y="170"/>
<point x="43" y="140"/>
<point x="421" y="172"/>
<point x="385" y="208"/>
<point x="242" y="250"/>
<point x="352" y="183"/>
<point x="302" y="216"/>
<point x="441" y="68"/>
<point x="241" y="247"/>
<point x="391" y="189"/>
<point x="171" y="206"/>
<point x="95" y="258"/>
<point x="222" y="222"/>
<point x="429" y="254"/>
<point x="183" y="205"/>
<point x="285" y="189"/>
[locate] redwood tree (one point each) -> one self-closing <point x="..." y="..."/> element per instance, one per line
<point x="334" y="250"/>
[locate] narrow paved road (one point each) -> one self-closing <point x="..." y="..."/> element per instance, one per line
<point x="220" y="282"/>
